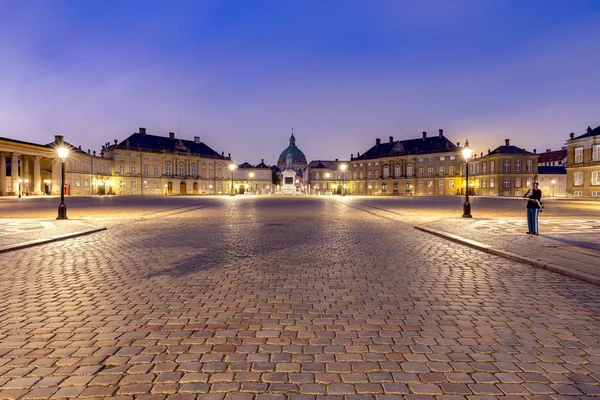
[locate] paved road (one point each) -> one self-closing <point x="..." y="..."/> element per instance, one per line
<point x="240" y="297"/>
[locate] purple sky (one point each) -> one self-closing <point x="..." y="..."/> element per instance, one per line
<point x="240" y="74"/>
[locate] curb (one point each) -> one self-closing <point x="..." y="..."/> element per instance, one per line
<point x="594" y="280"/>
<point x="58" y="238"/>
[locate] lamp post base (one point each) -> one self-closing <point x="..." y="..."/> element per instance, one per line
<point x="62" y="211"/>
<point x="467" y="210"/>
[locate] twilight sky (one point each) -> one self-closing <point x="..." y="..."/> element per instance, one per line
<point x="240" y="74"/>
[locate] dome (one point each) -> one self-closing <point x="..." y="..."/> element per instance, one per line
<point x="297" y="154"/>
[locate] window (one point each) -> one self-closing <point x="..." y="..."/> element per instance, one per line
<point x="452" y="170"/>
<point x="421" y="160"/>
<point x="451" y="184"/>
<point x="596" y="152"/>
<point x="442" y="171"/>
<point x="121" y="169"/>
<point x="181" y="170"/>
<point x="430" y="159"/>
<point x="484" y="183"/>
<point x="442" y="158"/>
<point x="429" y="171"/>
<point x="409" y="170"/>
<point x="452" y="158"/>
<point x="397" y="171"/>
<point x="492" y="167"/>
<point x="86" y="166"/>
<point x="595" y="177"/>
<point x="155" y="171"/>
<point x="517" y="182"/>
<point x="75" y="165"/>
<point x="386" y="171"/>
<point x="361" y="175"/>
<point x="578" y="179"/>
<point x="145" y="184"/>
<point x="421" y="171"/>
<point x="155" y="184"/>
<point x="122" y="183"/>
<point x="492" y="183"/>
<point x="506" y="166"/>
<point x="132" y="169"/>
<point x="133" y="156"/>
<point x="353" y="174"/>
<point x="86" y="182"/>
<point x="421" y="184"/>
<point x="168" y="170"/>
<point x="145" y="171"/>
<point x="77" y="182"/>
<point x="506" y="182"/>
<point x="441" y="184"/>
<point x="477" y="168"/>
<point x="529" y="165"/>
<point x="578" y="155"/>
<point x="317" y="175"/>
<point x="577" y="194"/>
<point x="133" y="184"/>
<point x="595" y="194"/>
<point x="429" y="184"/>
<point x="369" y="174"/>
<point x="518" y="165"/>
<point x="529" y="181"/>
<point x="484" y="168"/>
<point x="194" y="171"/>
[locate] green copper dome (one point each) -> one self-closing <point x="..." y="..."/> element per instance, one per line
<point x="296" y="153"/>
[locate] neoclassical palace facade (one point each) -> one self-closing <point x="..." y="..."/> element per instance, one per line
<point x="434" y="166"/>
<point x="142" y="164"/>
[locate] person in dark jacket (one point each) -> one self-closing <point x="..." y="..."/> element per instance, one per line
<point x="534" y="203"/>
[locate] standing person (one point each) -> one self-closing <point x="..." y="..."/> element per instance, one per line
<point x="534" y="203"/>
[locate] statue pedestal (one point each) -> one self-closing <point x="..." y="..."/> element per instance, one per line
<point x="288" y="183"/>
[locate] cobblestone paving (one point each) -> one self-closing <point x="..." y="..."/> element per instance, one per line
<point x="297" y="298"/>
<point x="10" y="227"/>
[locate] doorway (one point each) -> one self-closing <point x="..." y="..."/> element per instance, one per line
<point x="182" y="188"/>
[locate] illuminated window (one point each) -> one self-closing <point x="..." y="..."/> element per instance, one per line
<point x="506" y="182"/>
<point x="441" y="184"/>
<point x="492" y="167"/>
<point x="442" y="171"/>
<point x="155" y="171"/>
<point x="529" y="165"/>
<point x="517" y="182"/>
<point x="168" y="169"/>
<point x="596" y="152"/>
<point x="121" y="169"/>
<point x="451" y="184"/>
<point x="132" y="169"/>
<point x="578" y="155"/>
<point x="492" y="183"/>
<point x="429" y="171"/>
<point x="595" y="177"/>
<point x="145" y="171"/>
<point x="452" y="170"/>
<point x="578" y="179"/>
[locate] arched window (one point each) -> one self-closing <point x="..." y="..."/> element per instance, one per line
<point x="194" y="171"/>
<point x="397" y="172"/>
<point x="409" y="170"/>
<point x="168" y="170"/>
<point x="181" y="170"/>
<point x="386" y="171"/>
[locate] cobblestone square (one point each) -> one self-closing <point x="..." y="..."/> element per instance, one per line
<point x="272" y="298"/>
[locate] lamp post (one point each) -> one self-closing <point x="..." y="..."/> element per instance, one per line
<point x="26" y="187"/>
<point x="251" y="175"/>
<point x="370" y="192"/>
<point x="467" y="152"/>
<point x="553" y="182"/>
<point x="63" y="153"/>
<point x="327" y="175"/>
<point x="232" y="168"/>
<point x="343" y="168"/>
<point x="20" y="181"/>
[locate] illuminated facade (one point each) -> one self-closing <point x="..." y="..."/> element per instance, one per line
<point x="506" y="171"/>
<point x="146" y="164"/>
<point x="583" y="164"/>
<point x="327" y="177"/>
<point x="427" y="166"/>
<point x="253" y="179"/>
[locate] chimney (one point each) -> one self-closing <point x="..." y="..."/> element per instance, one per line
<point x="127" y="143"/>
<point x="507" y="142"/>
<point x="116" y="142"/>
<point x="79" y="147"/>
<point x="482" y="154"/>
<point x="377" y="141"/>
<point x="424" y="135"/>
<point x="172" y="135"/>
<point x="58" y="139"/>
<point x="336" y="160"/>
<point x="457" y="144"/>
<point x="262" y="160"/>
<point x="572" y="135"/>
<point x="391" y="139"/>
<point x="441" y="133"/>
<point x="196" y="139"/>
<point x="142" y="131"/>
<point x="548" y="150"/>
<point x="534" y="151"/>
<point x="94" y="152"/>
<point x="228" y="155"/>
<point x="357" y="154"/>
<point x="222" y="153"/>
<point x="489" y="151"/>
<point x="589" y="129"/>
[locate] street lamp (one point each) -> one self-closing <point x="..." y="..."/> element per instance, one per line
<point x="232" y="168"/>
<point x="63" y="153"/>
<point x="327" y="175"/>
<point x="370" y="187"/>
<point x="20" y="181"/>
<point x="343" y="168"/>
<point x="251" y="175"/>
<point x="467" y="152"/>
<point x="553" y="182"/>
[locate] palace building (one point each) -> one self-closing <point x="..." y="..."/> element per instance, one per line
<point x="583" y="164"/>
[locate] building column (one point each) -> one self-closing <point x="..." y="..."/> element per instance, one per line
<point x="2" y="174"/>
<point x="37" y="179"/>
<point x="25" y="164"/>
<point x="56" y="177"/>
<point x="14" y="169"/>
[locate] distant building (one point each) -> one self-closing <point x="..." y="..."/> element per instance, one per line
<point x="146" y="164"/>
<point x="583" y="164"/>
<point x="327" y="177"/>
<point x="553" y="181"/>
<point x="298" y="162"/>
<point x="253" y="179"/>
<point x="426" y="166"/>
<point x="557" y="158"/>
<point x="505" y="171"/>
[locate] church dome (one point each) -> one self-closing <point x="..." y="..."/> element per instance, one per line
<point x="297" y="154"/>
